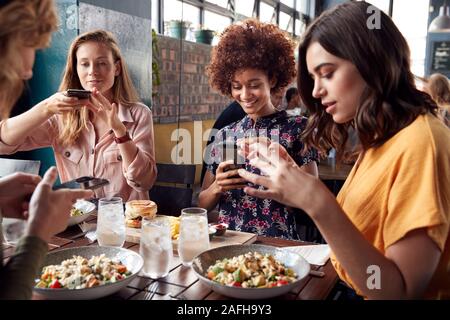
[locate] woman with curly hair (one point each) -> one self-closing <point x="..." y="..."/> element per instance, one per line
<point x="110" y="135"/>
<point x="388" y="229"/>
<point x="252" y="61"/>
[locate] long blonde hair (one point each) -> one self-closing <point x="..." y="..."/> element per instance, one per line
<point x="73" y="123"/>
<point x="22" y="23"/>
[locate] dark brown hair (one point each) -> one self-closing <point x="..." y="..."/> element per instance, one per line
<point x="381" y="55"/>
<point x="256" y="45"/>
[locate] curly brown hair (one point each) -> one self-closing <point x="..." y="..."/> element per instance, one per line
<point x="256" y="45"/>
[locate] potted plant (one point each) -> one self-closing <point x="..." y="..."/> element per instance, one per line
<point x="204" y="35"/>
<point x="178" y="28"/>
<point x="156" y="80"/>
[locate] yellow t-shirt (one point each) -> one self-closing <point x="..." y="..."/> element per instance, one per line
<point x="401" y="186"/>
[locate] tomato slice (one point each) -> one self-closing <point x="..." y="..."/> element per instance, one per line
<point x="237" y="284"/>
<point x="281" y="283"/>
<point x="55" y="284"/>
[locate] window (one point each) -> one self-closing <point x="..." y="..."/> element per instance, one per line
<point x="174" y="11"/>
<point x="302" y="6"/>
<point x="289" y="3"/>
<point x="245" y="7"/>
<point x="215" y="21"/>
<point x="413" y="26"/>
<point x="155" y="15"/>
<point x="286" y="22"/>
<point x="222" y="3"/>
<point x="380" y="4"/>
<point x="300" y="27"/>
<point x="267" y="13"/>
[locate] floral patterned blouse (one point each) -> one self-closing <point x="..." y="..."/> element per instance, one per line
<point x="249" y="214"/>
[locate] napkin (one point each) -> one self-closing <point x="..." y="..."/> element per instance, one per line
<point x="315" y="254"/>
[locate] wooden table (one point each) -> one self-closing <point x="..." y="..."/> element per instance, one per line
<point x="182" y="281"/>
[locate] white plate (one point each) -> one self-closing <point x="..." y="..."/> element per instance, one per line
<point x="130" y="259"/>
<point x="291" y="260"/>
<point x="86" y="207"/>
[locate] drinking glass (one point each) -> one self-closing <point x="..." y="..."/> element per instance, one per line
<point x="156" y="246"/>
<point x="13" y="229"/>
<point x="110" y="222"/>
<point x="194" y="237"/>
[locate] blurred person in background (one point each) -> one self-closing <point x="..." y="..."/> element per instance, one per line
<point x="438" y="87"/>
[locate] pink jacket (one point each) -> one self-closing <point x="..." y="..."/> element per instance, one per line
<point x="85" y="158"/>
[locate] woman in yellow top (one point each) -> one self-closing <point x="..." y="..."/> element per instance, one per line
<point x="388" y="227"/>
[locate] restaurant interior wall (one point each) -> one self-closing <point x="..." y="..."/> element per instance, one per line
<point x="184" y="97"/>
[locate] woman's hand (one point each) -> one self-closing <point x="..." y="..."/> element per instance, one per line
<point x="283" y="179"/>
<point x="105" y="111"/>
<point x="49" y="210"/>
<point x="227" y="178"/>
<point x="59" y="103"/>
<point x="15" y="193"/>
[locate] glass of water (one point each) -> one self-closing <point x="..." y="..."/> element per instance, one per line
<point x="194" y="237"/>
<point x="13" y="229"/>
<point x="110" y="222"/>
<point x="156" y="246"/>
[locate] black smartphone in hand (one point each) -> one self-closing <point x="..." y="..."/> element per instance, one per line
<point x="230" y="152"/>
<point x="83" y="183"/>
<point x="79" y="93"/>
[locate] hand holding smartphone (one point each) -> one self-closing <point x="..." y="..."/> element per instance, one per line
<point x="83" y="183"/>
<point x="230" y="151"/>
<point x="79" y="93"/>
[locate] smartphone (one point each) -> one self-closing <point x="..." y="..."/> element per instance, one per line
<point x="230" y="151"/>
<point x="83" y="183"/>
<point x="81" y="94"/>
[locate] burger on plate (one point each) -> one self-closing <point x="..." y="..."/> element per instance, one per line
<point x="135" y="210"/>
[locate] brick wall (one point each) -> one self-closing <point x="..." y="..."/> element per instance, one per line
<point x="198" y="100"/>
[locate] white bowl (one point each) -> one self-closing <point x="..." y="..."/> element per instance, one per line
<point x="86" y="207"/>
<point x="291" y="260"/>
<point x="130" y="259"/>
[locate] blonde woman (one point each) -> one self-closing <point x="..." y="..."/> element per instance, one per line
<point x="439" y="88"/>
<point x="25" y="26"/>
<point x="109" y="136"/>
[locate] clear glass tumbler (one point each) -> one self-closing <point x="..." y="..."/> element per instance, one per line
<point x="194" y="237"/>
<point x="110" y="222"/>
<point x="156" y="246"/>
<point x="13" y="229"/>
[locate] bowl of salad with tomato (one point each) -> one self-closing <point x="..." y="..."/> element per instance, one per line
<point x="250" y="271"/>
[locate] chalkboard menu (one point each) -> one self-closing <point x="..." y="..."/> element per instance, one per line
<point x="441" y="57"/>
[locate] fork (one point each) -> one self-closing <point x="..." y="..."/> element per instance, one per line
<point x="151" y="291"/>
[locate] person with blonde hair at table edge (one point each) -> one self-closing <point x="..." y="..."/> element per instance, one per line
<point x="27" y="25"/>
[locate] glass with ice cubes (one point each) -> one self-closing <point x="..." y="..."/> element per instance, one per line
<point x="156" y="246"/>
<point x="110" y="222"/>
<point x="194" y="236"/>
